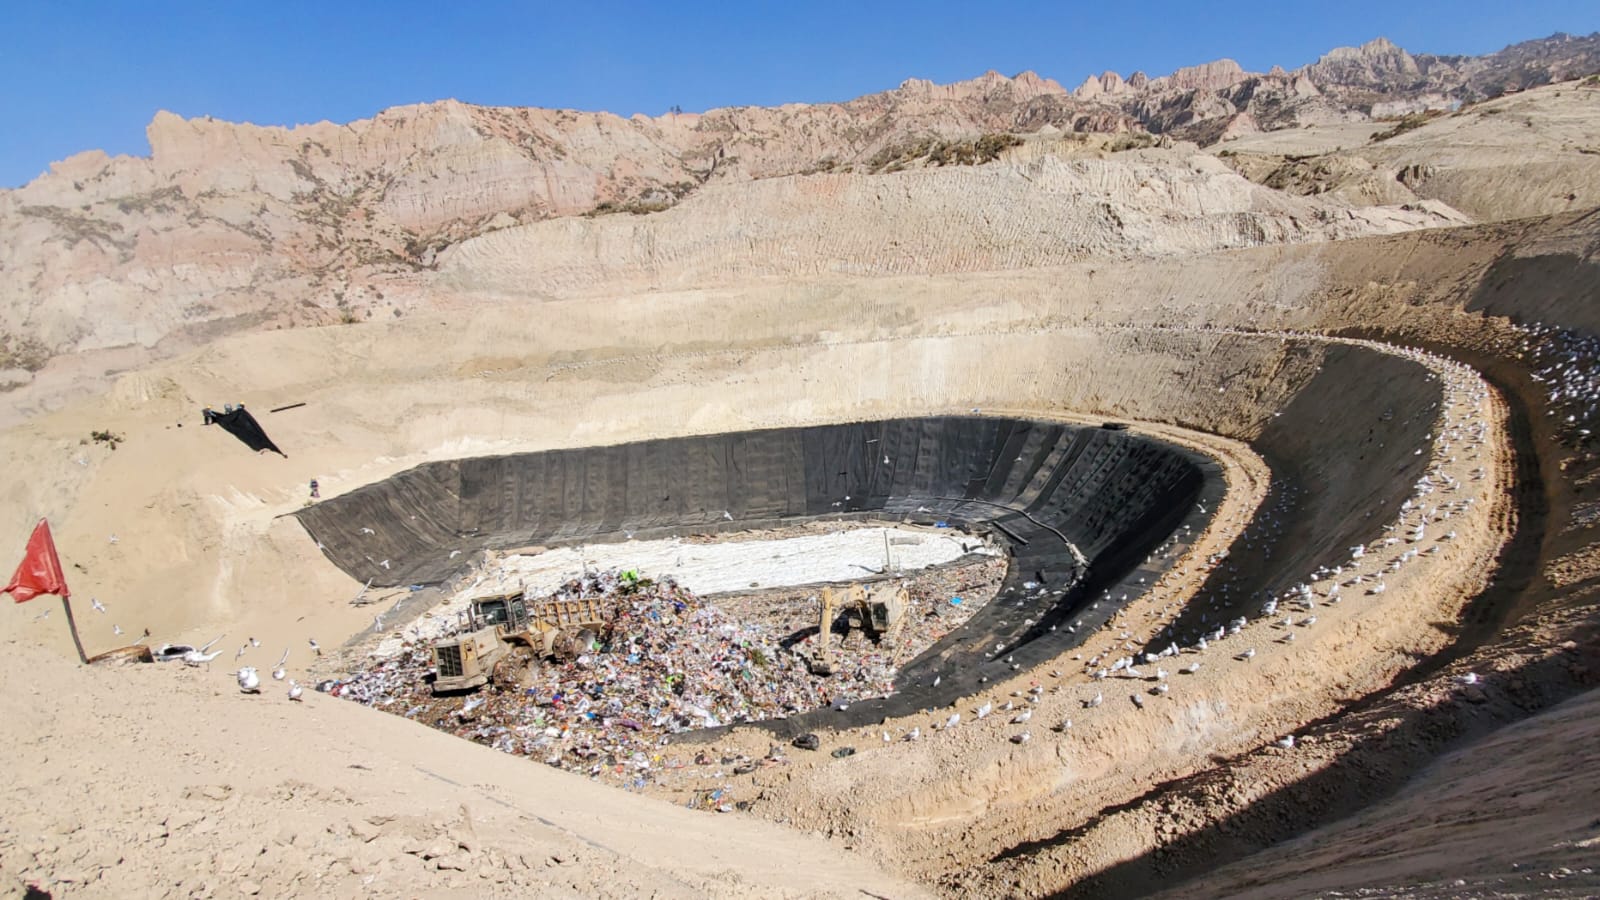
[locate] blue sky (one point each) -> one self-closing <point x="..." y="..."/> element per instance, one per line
<point x="87" y="75"/>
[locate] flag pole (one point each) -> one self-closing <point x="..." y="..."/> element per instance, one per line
<point x="72" y="626"/>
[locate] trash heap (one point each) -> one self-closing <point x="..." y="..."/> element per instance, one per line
<point x="664" y="662"/>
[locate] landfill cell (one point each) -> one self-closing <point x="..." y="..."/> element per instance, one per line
<point x="1079" y="509"/>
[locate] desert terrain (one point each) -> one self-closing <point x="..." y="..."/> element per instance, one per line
<point x="1361" y="291"/>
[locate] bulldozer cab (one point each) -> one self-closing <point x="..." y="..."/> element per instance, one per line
<point x="507" y="613"/>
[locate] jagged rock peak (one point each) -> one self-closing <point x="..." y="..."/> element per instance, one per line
<point x="1108" y="83"/>
<point x="1206" y="76"/>
<point x="1023" y="85"/>
<point x="1371" y="63"/>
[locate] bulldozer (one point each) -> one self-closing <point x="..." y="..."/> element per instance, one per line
<point x="878" y="612"/>
<point x="504" y="631"/>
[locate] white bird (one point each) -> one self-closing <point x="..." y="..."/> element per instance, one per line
<point x="1137" y="700"/>
<point x="1191" y="668"/>
<point x="278" y="671"/>
<point x="1021" y="717"/>
<point x="1064" y="726"/>
<point x="1022" y="738"/>
<point x="456" y="553"/>
<point x="886" y="738"/>
<point x="366" y="530"/>
<point x="377" y="622"/>
<point x="385" y="564"/>
<point x="116" y="629"/>
<point x="1161" y="688"/>
<point x="729" y="516"/>
<point x="43" y="615"/>
<point x="1469" y="678"/>
<point x="953" y="721"/>
<point x="112" y="539"/>
<point x="197" y="657"/>
<point x="1286" y="742"/>
<point x="249" y="681"/>
<point x="1248" y="654"/>
<point x="937" y="679"/>
<point x="240" y="652"/>
<point x="315" y="646"/>
<point x="254" y="642"/>
<point x="985" y="709"/>
<point x="471" y="704"/>
<point x="98" y="606"/>
<point x="914" y="734"/>
<point x="295" y="690"/>
<point x="1090" y="704"/>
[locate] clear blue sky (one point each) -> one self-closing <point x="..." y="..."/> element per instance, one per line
<point x="90" y="75"/>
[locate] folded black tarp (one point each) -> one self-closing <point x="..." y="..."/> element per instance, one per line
<point x="244" y="426"/>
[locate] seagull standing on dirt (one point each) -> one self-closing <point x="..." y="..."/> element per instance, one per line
<point x="249" y="681"/>
<point x="317" y="648"/>
<point x="1286" y="742"/>
<point x="278" y="671"/>
<point x="295" y="690"/>
<point x="1090" y="704"/>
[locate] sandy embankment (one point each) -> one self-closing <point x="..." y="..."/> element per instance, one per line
<point x="203" y="796"/>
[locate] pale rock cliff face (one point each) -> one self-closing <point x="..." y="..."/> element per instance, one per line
<point x="1211" y="76"/>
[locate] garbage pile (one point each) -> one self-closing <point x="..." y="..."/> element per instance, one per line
<point x="664" y="662"/>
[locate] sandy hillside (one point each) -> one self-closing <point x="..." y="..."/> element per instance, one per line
<point x="209" y="792"/>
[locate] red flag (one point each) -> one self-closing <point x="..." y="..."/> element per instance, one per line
<point x="40" y="570"/>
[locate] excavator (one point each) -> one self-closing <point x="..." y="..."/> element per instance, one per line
<point x="878" y="612"/>
<point x="503" y="630"/>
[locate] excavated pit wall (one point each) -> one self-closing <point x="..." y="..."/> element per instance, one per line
<point x="1338" y="424"/>
<point x="1077" y="505"/>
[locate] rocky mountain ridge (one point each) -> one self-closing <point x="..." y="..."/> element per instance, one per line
<point x="228" y="226"/>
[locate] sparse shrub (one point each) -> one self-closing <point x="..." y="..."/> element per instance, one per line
<point x="1409" y="122"/>
<point x="1131" y="140"/>
<point x="27" y="353"/>
<point x="110" y="439"/>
